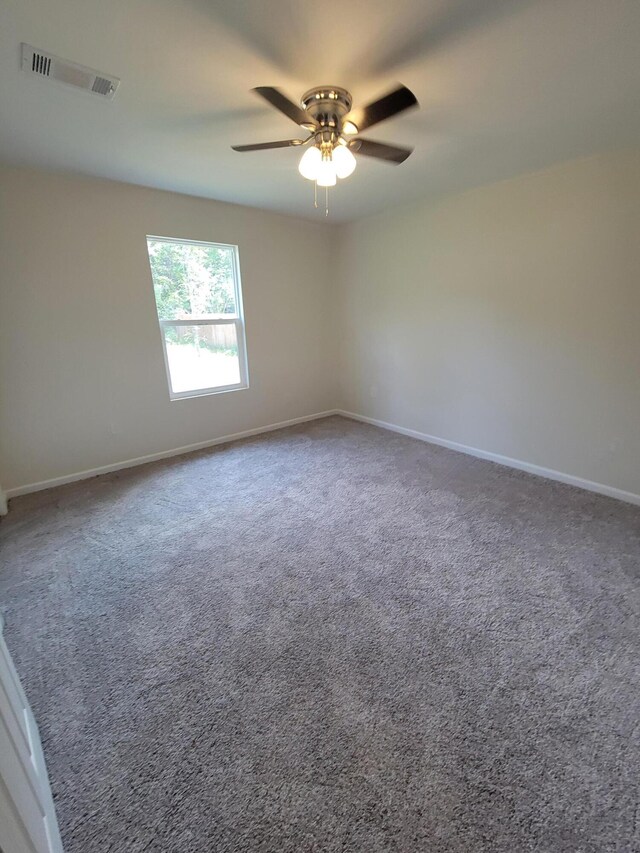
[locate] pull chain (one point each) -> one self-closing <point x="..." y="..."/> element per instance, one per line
<point x="326" y="197"/>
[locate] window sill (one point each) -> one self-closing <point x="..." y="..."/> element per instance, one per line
<point x="206" y="392"/>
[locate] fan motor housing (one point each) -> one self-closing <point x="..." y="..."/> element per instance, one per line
<point x="327" y="105"/>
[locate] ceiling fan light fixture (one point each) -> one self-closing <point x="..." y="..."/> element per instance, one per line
<point x="326" y="112"/>
<point x="344" y="161"/>
<point x="310" y="163"/>
<point x="326" y="173"/>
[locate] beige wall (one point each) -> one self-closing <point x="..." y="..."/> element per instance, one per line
<point x="506" y="319"/>
<point x="82" y="377"/>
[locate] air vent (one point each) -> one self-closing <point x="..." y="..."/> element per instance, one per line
<point x="102" y="86"/>
<point x="44" y="64"/>
<point x="40" y="64"/>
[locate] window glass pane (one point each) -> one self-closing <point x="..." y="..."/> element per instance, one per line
<point x="192" y="280"/>
<point x="202" y="356"/>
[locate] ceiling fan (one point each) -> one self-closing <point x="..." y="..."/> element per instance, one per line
<point x="334" y="128"/>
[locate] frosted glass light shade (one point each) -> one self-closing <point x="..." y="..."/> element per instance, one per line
<point x="310" y="163"/>
<point x="326" y="174"/>
<point x="344" y="161"/>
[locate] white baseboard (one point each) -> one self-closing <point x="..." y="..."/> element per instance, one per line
<point x="163" y="454"/>
<point x="549" y="473"/>
<point x="538" y="470"/>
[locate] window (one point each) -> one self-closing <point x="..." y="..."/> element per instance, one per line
<point x="197" y="290"/>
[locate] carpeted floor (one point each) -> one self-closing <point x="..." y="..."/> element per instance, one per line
<point x="331" y="638"/>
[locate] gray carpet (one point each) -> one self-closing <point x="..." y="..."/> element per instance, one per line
<point x="331" y="638"/>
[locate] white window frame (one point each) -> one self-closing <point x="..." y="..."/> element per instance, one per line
<point x="237" y="321"/>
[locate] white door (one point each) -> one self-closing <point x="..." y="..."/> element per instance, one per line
<point x="27" y="817"/>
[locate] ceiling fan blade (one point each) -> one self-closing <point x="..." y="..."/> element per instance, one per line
<point x="391" y="153"/>
<point x="282" y="103"/>
<point x="390" y="105"/>
<point x="263" y="146"/>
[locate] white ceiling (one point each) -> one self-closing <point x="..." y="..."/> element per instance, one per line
<point x="505" y="86"/>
